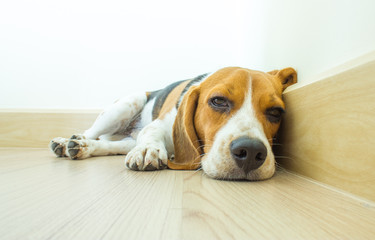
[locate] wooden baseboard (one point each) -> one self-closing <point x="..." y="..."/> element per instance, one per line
<point x="35" y="128"/>
<point x="328" y="133"/>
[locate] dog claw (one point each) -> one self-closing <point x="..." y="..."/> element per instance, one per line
<point x="134" y="167"/>
<point x="147" y="158"/>
<point x="150" y="167"/>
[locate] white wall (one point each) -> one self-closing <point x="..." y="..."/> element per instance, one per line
<point x="85" y="54"/>
<point x="315" y="36"/>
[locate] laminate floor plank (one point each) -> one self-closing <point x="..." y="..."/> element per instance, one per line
<point x="44" y="197"/>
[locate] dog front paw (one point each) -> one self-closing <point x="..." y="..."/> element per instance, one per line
<point x="147" y="158"/>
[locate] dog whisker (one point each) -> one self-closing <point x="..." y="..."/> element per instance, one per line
<point x="198" y="170"/>
<point x="284" y="157"/>
<point x="203" y="146"/>
<point x="276" y="144"/>
<point x="200" y="142"/>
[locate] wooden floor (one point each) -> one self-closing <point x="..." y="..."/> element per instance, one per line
<point x="43" y="197"/>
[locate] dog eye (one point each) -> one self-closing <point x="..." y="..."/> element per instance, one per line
<point x="274" y="114"/>
<point x="220" y="103"/>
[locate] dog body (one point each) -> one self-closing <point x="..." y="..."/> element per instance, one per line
<point x="223" y="122"/>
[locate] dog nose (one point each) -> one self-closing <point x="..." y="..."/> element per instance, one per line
<point x="249" y="153"/>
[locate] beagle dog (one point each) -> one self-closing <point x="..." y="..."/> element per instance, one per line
<point x="223" y="123"/>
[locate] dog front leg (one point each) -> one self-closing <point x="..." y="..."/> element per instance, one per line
<point x="151" y="153"/>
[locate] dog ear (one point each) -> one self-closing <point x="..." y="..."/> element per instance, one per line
<point x="185" y="139"/>
<point x="287" y="76"/>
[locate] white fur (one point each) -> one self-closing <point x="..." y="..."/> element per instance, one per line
<point x="146" y="116"/>
<point x="117" y="116"/>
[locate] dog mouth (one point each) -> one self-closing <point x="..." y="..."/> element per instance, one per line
<point x="224" y="167"/>
<point x="239" y="175"/>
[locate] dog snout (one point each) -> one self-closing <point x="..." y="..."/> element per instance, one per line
<point x="249" y="153"/>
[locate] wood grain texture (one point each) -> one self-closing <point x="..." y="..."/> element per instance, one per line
<point x="44" y="197"/>
<point x="35" y="128"/>
<point x="328" y="131"/>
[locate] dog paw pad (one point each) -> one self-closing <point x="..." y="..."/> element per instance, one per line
<point x="72" y="144"/>
<point x="73" y="153"/>
<point x="78" y="137"/>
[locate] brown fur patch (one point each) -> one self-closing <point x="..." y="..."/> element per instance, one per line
<point x="266" y="93"/>
<point x="267" y="89"/>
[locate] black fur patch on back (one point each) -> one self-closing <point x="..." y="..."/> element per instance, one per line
<point x="160" y="97"/>
<point x="191" y="83"/>
<point x="162" y="94"/>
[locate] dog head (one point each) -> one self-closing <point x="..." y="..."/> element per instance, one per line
<point x="227" y="123"/>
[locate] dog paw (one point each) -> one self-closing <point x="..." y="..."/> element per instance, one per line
<point x="77" y="149"/>
<point x="58" y="146"/>
<point x="147" y="158"/>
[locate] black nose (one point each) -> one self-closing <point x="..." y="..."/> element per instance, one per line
<point x="249" y="153"/>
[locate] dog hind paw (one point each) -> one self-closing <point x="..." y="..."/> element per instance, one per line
<point x="77" y="149"/>
<point x="58" y="146"/>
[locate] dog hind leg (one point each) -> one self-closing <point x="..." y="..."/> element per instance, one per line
<point x="85" y="148"/>
<point x="112" y="119"/>
<point x="117" y="116"/>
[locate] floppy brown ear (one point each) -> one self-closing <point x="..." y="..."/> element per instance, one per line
<point x="185" y="140"/>
<point x="287" y="76"/>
